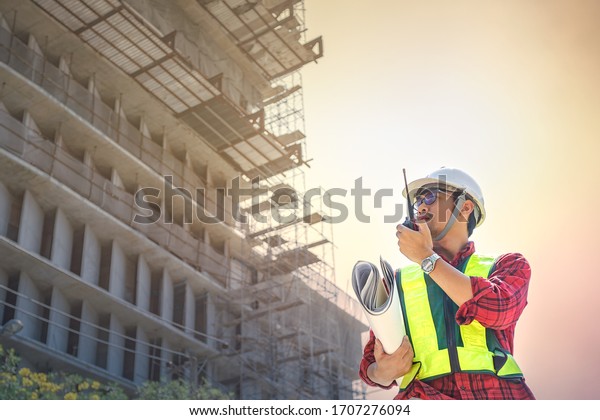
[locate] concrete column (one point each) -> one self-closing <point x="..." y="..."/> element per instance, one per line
<point x="31" y="225"/>
<point x="144" y="282"/>
<point x="3" y="286"/>
<point x="62" y="243"/>
<point x="115" y="178"/>
<point x="58" y="323"/>
<point x="142" y="359"/>
<point x="118" y="271"/>
<point x="211" y="321"/>
<point x="91" y="256"/>
<point x="189" y="311"/>
<point x="88" y="160"/>
<point x="27" y="291"/>
<point x="30" y="123"/>
<point x="88" y="343"/>
<point x="166" y="297"/>
<point x="116" y="344"/>
<point x="237" y="274"/>
<point x="5" y="208"/>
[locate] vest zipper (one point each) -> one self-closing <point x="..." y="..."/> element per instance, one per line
<point x="451" y="335"/>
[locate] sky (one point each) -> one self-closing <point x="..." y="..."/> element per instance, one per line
<point x="508" y="91"/>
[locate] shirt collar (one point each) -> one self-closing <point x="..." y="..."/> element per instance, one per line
<point x="463" y="254"/>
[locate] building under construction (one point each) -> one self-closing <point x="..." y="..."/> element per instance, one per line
<point x="153" y="217"/>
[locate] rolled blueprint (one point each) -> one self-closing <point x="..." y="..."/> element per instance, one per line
<point x="379" y="299"/>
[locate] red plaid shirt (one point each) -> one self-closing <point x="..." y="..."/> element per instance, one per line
<point x="497" y="303"/>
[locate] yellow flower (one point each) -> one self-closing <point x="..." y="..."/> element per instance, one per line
<point x="83" y="386"/>
<point x="24" y="372"/>
<point x="6" y="376"/>
<point x="39" y="377"/>
<point x="96" y="385"/>
<point x="27" y="382"/>
<point x="94" y="397"/>
<point x="70" y="396"/>
<point x="34" y="396"/>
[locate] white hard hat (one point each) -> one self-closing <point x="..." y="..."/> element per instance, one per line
<point x="455" y="179"/>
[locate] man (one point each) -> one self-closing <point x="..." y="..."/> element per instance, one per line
<point x="460" y="308"/>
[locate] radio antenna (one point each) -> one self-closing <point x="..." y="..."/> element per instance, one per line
<point x="409" y="222"/>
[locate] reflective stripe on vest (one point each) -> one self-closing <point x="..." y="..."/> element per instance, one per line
<point x="441" y="346"/>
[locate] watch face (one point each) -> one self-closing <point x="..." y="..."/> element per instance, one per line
<point x="427" y="265"/>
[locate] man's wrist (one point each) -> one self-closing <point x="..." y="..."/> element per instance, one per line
<point x="372" y="373"/>
<point x="429" y="263"/>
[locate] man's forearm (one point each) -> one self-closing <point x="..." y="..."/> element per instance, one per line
<point x="456" y="285"/>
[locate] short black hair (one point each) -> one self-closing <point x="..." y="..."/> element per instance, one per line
<point x="471" y="223"/>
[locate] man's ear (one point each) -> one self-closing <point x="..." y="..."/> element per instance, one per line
<point x="467" y="208"/>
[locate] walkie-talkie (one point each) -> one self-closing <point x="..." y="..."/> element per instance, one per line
<point x="409" y="222"/>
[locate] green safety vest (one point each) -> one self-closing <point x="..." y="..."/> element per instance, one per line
<point x="440" y="345"/>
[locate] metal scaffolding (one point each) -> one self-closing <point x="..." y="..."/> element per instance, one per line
<point x="271" y="279"/>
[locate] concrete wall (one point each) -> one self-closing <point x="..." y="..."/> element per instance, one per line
<point x="91" y="256"/>
<point x="62" y="243"/>
<point x="144" y="282"/>
<point x="5" y="207"/>
<point x="32" y="325"/>
<point x="88" y="334"/>
<point x="211" y="319"/>
<point x="118" y="271"/>
<point x="166" y="297"/>
<point x="31" y="225"/>
<point x="58" y="323"/>
<point x="116" y="344"/>
<point x="189" y="314"/>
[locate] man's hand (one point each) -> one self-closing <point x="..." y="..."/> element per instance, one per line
<point x="416" y="245"/>
<point x="389" y="367"/>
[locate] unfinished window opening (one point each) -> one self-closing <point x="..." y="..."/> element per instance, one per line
<point x="105" y="262"/>
<point x="48" y="234"/>
<point x="201" y="321"/>
<point x="179" y="305"/>
<point x="155" y="294"/>
<point x="46" y="296"/>
<point x="12" y="231"/>
<point x="102" y="348"/>
<point x="130" y="280"/>
<point x="10" y="298"/>
<point x="155" y="364"/>
<point x="74" y="329"/>
<point x="129" y="356"/>
<point x="77" y="251"/>
<point x="177" y="366"/>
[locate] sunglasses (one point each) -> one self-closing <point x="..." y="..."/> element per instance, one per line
<point x="428" y="196"/>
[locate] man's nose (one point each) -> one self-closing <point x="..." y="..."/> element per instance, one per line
<point x="422" y="208"/>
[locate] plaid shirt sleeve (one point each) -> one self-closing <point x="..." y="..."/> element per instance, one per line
<point x="499" y="300"/>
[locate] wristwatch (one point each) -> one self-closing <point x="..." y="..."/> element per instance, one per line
<point x="428" y="264"/>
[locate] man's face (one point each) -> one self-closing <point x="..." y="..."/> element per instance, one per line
<point x="435" y="206"/>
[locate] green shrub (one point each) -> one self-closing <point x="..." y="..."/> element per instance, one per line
<point x="24" y="384"/>
<point x="20" y="383"/>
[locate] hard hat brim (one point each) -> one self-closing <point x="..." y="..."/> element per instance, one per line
<point x="418" y="184"/>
